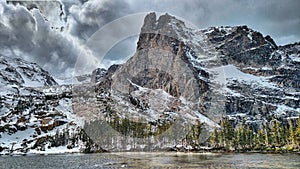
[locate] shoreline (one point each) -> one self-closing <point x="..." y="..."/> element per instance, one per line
<point x="222" y="152"/>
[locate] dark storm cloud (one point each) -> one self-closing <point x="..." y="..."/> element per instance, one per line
<point x="16" y="25"/>
<point x="27" y="35"/>
<point x="26" y="32"/>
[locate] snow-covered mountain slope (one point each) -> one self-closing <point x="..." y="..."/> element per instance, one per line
<point x="20" y="72"/>
<point x="42" y="123"/>
<point x="36" y="114"/>
<point x="17" y="74"/>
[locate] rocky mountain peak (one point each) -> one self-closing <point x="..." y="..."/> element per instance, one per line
<point x="165" y="27"/>
<point x="292" y="48"/>
<point x="240" y="45"/>
<point x="217" y="34"/>
<point x="149" y="22"/>
<point x="162" y="24"/>
<point x="237" y="44"/>
<point x="160" y="60"/>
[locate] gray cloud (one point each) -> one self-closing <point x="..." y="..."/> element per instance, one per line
<point x="88" y="17"/>
<point x="25" y="33"/>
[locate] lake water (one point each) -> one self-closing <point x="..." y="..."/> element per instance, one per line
<point x="153" y="160"/>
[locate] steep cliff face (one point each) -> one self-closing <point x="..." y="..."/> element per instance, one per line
<point x="163" y="61"/>
<point x="241" y="45"/>
<point x="237" y="65"/>
<point x="260" y="79"/>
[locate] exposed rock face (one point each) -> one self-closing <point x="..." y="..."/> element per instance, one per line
<point x="161" y="62"/>
<point x="97" y="74"/>
<point x="241" y="43"/>
<point x="159" y="69"/>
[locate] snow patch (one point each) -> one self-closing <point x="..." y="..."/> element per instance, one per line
<point x="295" y="58"/>
<point x="228" y="73"/>
<point x="56" y="150"/>
<point x="206" y="120"/>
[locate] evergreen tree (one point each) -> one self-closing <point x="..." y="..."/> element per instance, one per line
<point x="243" y="138"/>
<point x="284" y="133"/>
<point x="249" y="137"/>
<point x="238" y="138"/>
<point x="297" y="133"/>
<point x="228" y="133"/>
<point x="268" y="139"/>
<point x="235" y="140"/>
<point x="260" y="138"/>
<point x="275" y="132"/>
<point x="215" y="138"/>
<point x="255" y="141"/>
<point x="292" y="140"/>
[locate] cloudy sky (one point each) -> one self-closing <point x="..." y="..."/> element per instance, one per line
<point x="55" y="33"/>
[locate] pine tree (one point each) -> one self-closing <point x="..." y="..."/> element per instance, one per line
<point x="243" y="134"/>
<point x="238" y="138"/>
<point x="268" y="139"/>
<point x="235" y="140"/>
<point x="215" y="138"/>
<point x="275" y="132"/>
<point x="228" y="133"/>
<point x="255" y="141"/>
<point x="260" y="138"/>
<point x="291" y="133"/>
<point x="284" y="133"/>
<point x="297" y="133"/>
<point x="249" y="137"/>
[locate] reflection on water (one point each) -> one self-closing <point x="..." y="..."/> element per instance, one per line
<point x="156" y="160"/>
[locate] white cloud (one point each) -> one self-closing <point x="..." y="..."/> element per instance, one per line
<point x="28" y="35"/>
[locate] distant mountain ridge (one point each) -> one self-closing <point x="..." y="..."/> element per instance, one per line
<point x="16" y="74"/>
<point x="36" y="113"/>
